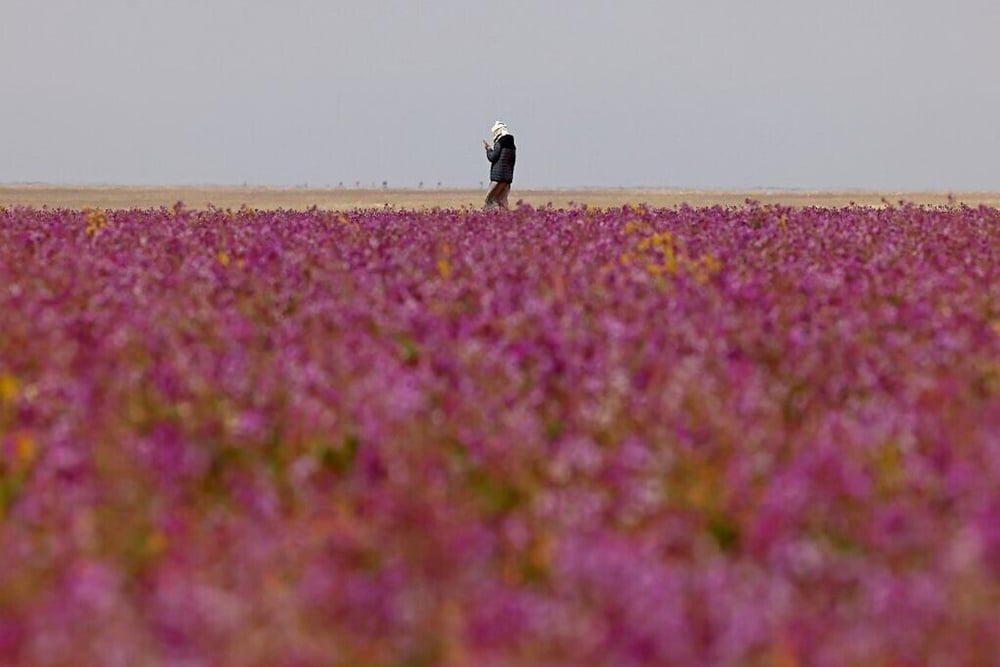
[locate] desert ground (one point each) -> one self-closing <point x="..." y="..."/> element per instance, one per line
<point x="109" y="196"/>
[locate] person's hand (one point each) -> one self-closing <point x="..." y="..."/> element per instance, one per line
<point x="485" y="144"/>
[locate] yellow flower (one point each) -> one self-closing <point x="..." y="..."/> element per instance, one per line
<point x="96" y="219"/>
<point x="155" y="543"/>
<point x="444" y="263"/>
<point x="9" y="388"/>
<point x="24" y="451"/>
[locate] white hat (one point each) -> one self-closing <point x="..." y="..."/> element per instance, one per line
<point x="499" y="129"/>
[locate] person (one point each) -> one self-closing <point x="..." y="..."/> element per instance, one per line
<point x="502" y="156"/>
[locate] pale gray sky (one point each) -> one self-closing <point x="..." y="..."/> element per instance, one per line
<point x="883" y="94"/>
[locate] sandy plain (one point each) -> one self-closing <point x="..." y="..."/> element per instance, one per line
<point x="199" y="197"/>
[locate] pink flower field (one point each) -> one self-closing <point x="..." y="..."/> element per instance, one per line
<point x="751" y="435"/>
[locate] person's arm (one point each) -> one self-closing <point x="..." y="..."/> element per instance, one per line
<point x="492" y="154"/>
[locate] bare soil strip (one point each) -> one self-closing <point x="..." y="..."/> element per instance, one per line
<point x="200" y="197"/>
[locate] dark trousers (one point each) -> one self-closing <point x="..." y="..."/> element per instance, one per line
<point x="497" y="196"/>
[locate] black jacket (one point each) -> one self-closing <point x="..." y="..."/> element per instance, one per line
<point x="502" y="155"/>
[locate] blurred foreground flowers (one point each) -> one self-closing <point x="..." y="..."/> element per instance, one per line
<point x="726" y="436"/>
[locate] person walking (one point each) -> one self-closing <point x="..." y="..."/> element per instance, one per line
<point x="502" y="156"/>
